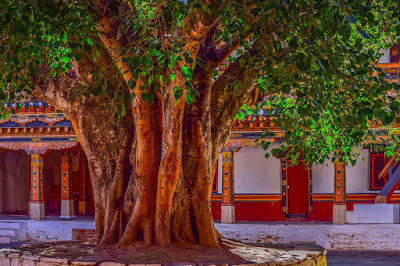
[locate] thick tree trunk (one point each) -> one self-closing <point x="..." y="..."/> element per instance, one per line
<point x="152" y="173"/>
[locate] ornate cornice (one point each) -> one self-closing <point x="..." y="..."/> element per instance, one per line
<point x="38" y="147"/>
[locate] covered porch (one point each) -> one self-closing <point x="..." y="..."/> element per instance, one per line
<point x="43" y="170"/>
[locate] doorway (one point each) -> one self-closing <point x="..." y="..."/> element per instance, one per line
<point x="298" y="190"/>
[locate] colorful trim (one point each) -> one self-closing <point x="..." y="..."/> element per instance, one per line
<point x="37" y="178"/>
<point x="227" y="178"/>
<point x="340" y="183"/>
<point x="250" y="197"/>
<point x="66" y="180"/>
<point x="284" y="185"/>
<point x="38" y="147"/>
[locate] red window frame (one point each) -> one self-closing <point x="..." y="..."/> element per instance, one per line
<point x="395" y="53"/>
<point x="373" y="171"/>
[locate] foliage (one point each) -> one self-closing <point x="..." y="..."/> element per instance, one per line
<point x="35" y="32"/>
<point x="314" y="57"/>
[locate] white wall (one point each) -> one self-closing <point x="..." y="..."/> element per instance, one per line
<point x="220" y="173"/>
<point x="357" y="176"/>
<point x="254" y="174"/>
<point x="323" y="177"/>
<point x="386" y="57"/>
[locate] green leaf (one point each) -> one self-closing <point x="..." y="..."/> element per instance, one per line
<point x="55" y="65"/>
<point x="153" y="52"/>
<point x="121" y="110"/>
<point x="178" y="93"/>
<point x="240" y="115"/>
<point x="190" y="98"/>
<point x="171" y="76"/>
<point x="187" y="72"/>
<point x="147" y="96"/>
<point x="364" y="34"/>
<point x="132" y="84"/>
<point x="147" y="62"/>
<point x="104" y="89"/>
<point x="110" y="106"/>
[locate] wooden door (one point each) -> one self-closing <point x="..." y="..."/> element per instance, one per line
<point x="298" y="189"/>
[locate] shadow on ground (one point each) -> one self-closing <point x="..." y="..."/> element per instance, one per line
<point x="363" y="257"/>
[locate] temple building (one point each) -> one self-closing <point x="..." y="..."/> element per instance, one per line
<point x="43" y="169"/>
<point x="44" y="174"/>
<point x="250" y="187"/>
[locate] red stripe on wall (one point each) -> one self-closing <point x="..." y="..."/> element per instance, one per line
<point x="322" y="211"/>
<point x="268" y="208"/>
<point x="216" y="210"/>
<point x="259" y="211"/>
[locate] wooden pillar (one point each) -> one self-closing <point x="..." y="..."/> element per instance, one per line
<point x="67" y="203"/>
<point x="36" y="203"/>
<point x="228" y="196"/>
<point x="339" y="199"/>
<point x="82" y="185"/>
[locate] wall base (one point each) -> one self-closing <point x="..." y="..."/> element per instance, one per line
<point x="339" y="213"/>
<point x="36" y="211"/>
<point x="67" y="209"/>
<point x="82" y="206"/>
<point x="227" y="214"/>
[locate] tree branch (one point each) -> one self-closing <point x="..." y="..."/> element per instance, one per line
<point x="229" y="92"/>
<point x="228" y="48"/>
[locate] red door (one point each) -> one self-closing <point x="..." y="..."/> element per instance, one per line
<point x="298" y="186"/>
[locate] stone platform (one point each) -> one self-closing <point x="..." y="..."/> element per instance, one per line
<point x="80" y="253"/>
<point x="329" y="236"/>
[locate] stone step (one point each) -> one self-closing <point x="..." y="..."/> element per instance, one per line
<point x="9" y="225"/>
<point x="5" y="239"/>
<point x="7" y="232"/>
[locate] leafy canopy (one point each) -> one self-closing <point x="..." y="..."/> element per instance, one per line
<point x="313" y="58"/>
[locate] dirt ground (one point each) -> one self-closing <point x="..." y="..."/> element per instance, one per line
<point x="237" y="253"/>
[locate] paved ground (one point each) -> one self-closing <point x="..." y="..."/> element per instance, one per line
<point x="355" y="257"/>
<point x="334" y="257"/>
<point x="17" y="244"/>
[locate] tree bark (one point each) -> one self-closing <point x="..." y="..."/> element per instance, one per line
<point x="151" y="173"/>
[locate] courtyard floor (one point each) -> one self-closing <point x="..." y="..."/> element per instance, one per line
<point x="363" y="257"/>
<point x="334" y="257"/>
<point x="350" y="244"/>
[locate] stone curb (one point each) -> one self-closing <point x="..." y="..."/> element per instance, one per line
<point x="12" y="258"/>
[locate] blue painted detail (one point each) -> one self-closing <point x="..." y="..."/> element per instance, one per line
<point x="59" y="139"/>
<point x="10" y="124"/>
<point x="15" y="139"/>
<point x="41" y="139"/>
<point x="249" y="135"/>
<point x="37" y="124"/>
<point x="64" y="123"/>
